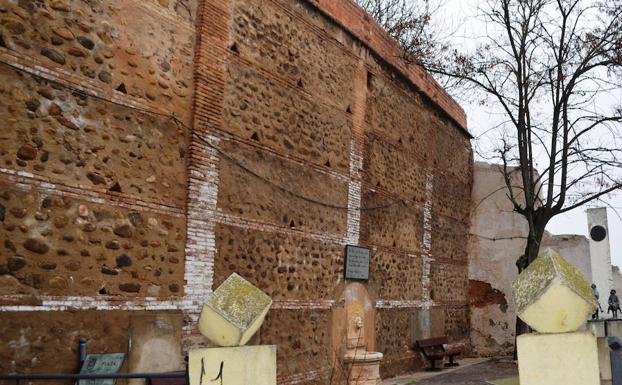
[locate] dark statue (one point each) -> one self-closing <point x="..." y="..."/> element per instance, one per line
<point x="595" y="314"/>
<point x="614" y="304"/>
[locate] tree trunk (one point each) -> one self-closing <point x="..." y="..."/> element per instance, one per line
<point x="532" y="249"/>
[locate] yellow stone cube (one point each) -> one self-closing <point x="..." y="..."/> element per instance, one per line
<point x="234" y="313"/>
<point x="552" y="296"/>
<point x="242" y="365"/>
<point x="556" y="359"/>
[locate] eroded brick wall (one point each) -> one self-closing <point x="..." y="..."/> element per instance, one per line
<point x="299" y="132"/>
<point x="93" y="173"/>
<point x="308" y="113"/>
<point x="416" y="156"/>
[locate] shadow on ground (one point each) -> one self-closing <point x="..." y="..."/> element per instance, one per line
<point x="493" y="372"/>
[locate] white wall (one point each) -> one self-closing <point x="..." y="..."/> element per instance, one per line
<point x="498" y="237"/>
<point x="497" y="240"/>
<point x="574" y="248"/>
<point x="600" y="255"/>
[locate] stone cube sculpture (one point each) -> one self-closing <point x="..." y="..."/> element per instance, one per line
<point x="234" y="313"/>
<point x="552" y="296"/>
<point x="556" y="359"/>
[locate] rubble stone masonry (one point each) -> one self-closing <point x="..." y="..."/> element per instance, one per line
<point x="151" y="148"/>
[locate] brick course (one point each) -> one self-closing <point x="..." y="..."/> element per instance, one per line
<point x="308" y="94"/>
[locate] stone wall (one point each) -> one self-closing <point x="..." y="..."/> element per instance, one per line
<point x="313" y="155"/>
<point x="297" y="131"/>
<point x="93" y="175"/>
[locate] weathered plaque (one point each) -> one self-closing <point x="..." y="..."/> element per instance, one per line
<point x="357" y="262"/>
<point x="101" y="364"/>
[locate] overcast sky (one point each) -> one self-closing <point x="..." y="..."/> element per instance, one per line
<point x="460" y="16"/>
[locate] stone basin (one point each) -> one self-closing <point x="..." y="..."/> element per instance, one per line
<point x="364" y="367"/>
<point x="362" y="356"/>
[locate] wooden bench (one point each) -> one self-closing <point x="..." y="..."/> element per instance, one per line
<point x="434" y="349"/>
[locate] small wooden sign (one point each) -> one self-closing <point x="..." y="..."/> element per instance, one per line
<point x="101" y="364"/>
<point x="357" y="262"/>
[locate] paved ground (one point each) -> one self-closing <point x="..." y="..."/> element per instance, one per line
<point x="471" y="372"/>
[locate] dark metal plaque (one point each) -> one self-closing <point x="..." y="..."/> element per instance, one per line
<point x="357" y="262"/>
<point x="102" y="364"/>
<point x="598" y="233"/>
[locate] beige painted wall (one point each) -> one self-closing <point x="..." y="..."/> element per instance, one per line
<point x="575" y="248"/>
<point x="497" y="240"/>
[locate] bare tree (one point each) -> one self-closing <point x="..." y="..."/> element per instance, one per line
<point x="409" y="22"/>
<point x="553" y="68"/>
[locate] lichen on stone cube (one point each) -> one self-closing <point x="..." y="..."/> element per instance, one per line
<point x="552" y="296"/>
<point x="234" y="313"/>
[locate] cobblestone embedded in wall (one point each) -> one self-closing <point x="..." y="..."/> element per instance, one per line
<point x="185" y="9"/>
<point x="449" y="282"/>
<point x="306" y="350"/>
<point x="109" y="42"/>
<point x="397" y="226"/>
<point x="453" y="153"/>
<point x="283" y="266"/>
<point x="395" y="276"/>
<point x="396" y="332"/>
<point x="55" y="245"/>
<point x="331" y="130"/>
<point x="356" y="21"/>
<point x="457" y="322"/>
<point x="394" y="169"/>
<point x="260" y="109"/>
<point x="86" y="141"/>
<point x="92" y="193"/>
<point x="245" y="195"/>
<point x="40" y="338"/>
<point x="411" y="126"/>
<point x="452" y="195"/>
<point x="280" y="41"/>
<point x="450" y="236"/>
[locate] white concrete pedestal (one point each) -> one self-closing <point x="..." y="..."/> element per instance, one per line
<point x="556" y="359"/>
<point x="243" y="365"/>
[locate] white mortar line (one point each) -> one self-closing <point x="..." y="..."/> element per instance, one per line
<point x="392" y="304"/>
<point x="190" y="304"/>
<point x="426" y="242"/>
<point x="356" y="154"/>
<point x="200" y="236"/>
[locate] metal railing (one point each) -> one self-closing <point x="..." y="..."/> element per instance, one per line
<point x="90" y="376"/>
<point x="17" y="378"/>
